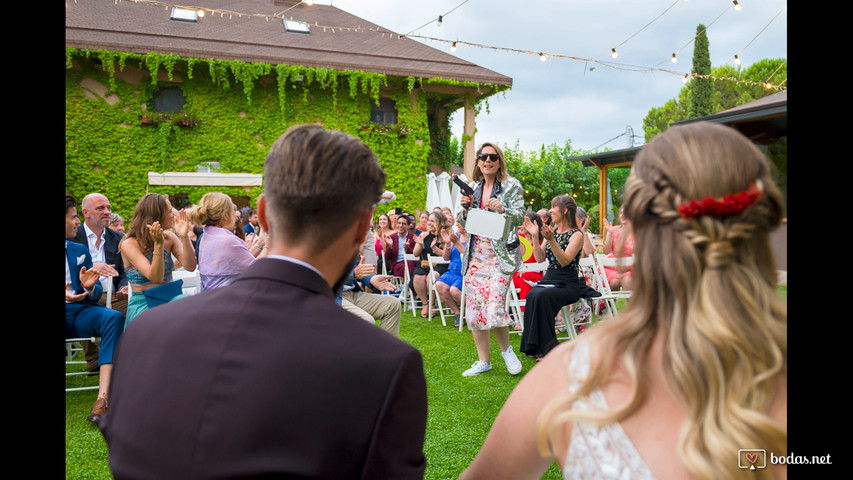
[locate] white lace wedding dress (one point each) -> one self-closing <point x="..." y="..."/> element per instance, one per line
<point x="599" y="452"/>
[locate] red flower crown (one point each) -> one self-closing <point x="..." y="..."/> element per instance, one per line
<point x="731" y="204"/>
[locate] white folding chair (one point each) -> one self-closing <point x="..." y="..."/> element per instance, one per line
<point x="462" y="307"/>
<point x="513" y="303"/>
<point x="609" y="296"/>
<point x="409" y="299"/>
<point x="433" y="292"/>
<point x="192" y="280"/>
<point x="73" y="347"/>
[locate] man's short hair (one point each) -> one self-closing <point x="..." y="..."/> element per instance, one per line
<point x="69" y="202"/>
<point x="316" y="183"/>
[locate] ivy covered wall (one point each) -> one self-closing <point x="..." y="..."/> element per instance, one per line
<point x="236" y="111"/>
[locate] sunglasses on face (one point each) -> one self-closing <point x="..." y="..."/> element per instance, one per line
<point x="488" y="156"/>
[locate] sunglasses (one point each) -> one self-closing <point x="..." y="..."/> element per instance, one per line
<point x="488" y="156"/>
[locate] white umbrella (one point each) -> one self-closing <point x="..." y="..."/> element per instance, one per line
<point x="455" y="194"/>
<point x="432" y="198"/>
<point x="443" y="180"/>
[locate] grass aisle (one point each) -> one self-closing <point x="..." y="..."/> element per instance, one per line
<point x="461" y="409"/>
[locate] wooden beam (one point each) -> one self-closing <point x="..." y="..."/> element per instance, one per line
<point x="469" y="148"/>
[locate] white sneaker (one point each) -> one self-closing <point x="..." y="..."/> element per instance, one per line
<point x="513" y="365"/>
<point x="477" y="368"/>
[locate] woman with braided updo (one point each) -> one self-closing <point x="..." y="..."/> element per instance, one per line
<point x="694" y="368"/>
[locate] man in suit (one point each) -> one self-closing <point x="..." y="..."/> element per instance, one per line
<point x="269" y="376"/>
<point x="397" y="245"/>
<point x="84" y="316"/>
<point x="103" y="247"/>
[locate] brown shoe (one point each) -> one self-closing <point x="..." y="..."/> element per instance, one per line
<point x="92" y="366"/>
<point x="98" y="410"/>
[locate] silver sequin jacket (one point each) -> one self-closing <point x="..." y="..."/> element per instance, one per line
<point x="511" y="195"/>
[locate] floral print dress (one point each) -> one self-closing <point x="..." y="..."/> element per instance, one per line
<point x="485" y="288"/>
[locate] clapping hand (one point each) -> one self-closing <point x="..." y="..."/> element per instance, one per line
<point x="181" y="223"/>
<point x="547" y="232"/>
<point x="530" y="227"/>
<point x="584" y="226"/>
<point x="104" y="269"/>
<point x="156" y="232"/>
<point x="72" y="297"/>
<point x="362" y="270"/>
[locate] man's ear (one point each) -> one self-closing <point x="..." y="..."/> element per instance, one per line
<point x="362" y="226"/>
<point x="262" y="213"/>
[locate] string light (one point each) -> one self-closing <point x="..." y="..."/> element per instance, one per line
<point x="200" y="13"/>
<point x="613" y="53"/>
<point x="439" y="20"/>
<point x="453" y="47"/>
<point x="542" y="55"/>
<point x="686" y="78"/>
<point x="737" y="59"/>
<point x="737" y="5"/>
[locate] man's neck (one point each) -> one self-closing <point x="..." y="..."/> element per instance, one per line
<point x="97" y="229"/>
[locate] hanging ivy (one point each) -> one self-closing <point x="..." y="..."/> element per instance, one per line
<point x="234" y="122"/>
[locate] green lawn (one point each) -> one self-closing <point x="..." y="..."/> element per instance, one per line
<point x="461" y="409"/>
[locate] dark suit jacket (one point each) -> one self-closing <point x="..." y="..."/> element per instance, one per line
<point x="266" y="376"/>
<point x="111" y="253"/>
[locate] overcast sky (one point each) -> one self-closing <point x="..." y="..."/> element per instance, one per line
<point x="561" y="99"/>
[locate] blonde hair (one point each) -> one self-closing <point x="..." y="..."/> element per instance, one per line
<point x="212" y="209"/>
<point x="707" y="285"/>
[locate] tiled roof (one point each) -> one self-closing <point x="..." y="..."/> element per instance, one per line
<point x="142" y="27"/>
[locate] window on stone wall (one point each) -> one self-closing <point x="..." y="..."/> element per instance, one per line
<point x="385" y="113"/>
<point x="179" y="200"/>
<point x="169" y="99"/>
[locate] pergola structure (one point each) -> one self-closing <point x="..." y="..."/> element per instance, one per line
<point x="763" y="121"/>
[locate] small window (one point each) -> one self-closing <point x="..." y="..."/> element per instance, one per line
<point x="180" y="14"/>
<point x="385" y="113"/>
<point x="208" y="167"/>
<point x="169" y="99"/>
<point x="296" y="26"/>
<point x="179" y="200"/>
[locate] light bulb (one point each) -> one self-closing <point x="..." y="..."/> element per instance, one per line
<point x="542" y="57"/>
<point x="768" y="86"/>
<point x="439" y="20"/>
<point x="686" y="78"/>
<point x="737" y="5"/>
<point x="309" y="2"/>
<point x="737" y="60"/>
<point x="200" y="13"/>
<point x="453" y="47"/>
<point x="613" y="53"/>
<point x="674" y="59"/>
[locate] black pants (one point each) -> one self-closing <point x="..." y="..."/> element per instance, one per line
<point x="542" y="306"/>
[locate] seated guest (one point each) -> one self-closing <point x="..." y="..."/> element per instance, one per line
<point x="429" y="242"/>
<point x="252" y="223"/>
<point x="84" y="316"/>
<point x="221" y="255"/>
<point x="619" y="243"/>
<point x="449" y="284"/>
<point x="397" y="245"/>
<point x="355" y="298"/>
<point x="695" y="367"/>
<point x="561" y="247"/>
<point x="116" y="223"/>
<point x="522" y="280"/>
<point x="148" y="246"/>
<point x="270" y="378"/>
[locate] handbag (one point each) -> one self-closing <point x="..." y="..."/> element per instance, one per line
<point x="163" y="293"/>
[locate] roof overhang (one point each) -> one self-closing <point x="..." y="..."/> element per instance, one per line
<point x="206" y="179"/>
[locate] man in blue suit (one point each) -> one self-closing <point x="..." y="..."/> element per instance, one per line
<point x="84" y="316"/>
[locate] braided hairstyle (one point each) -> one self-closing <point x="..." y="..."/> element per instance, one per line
<point x="707" y="285"/>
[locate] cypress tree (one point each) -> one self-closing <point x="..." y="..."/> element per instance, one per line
<point x="702" y="89"/>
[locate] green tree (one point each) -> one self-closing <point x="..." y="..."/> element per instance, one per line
<point x="732" y="87"/>
<point x="702" y="90"/>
